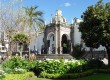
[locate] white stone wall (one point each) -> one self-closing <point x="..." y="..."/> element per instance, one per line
<point x="37" y="42"/>
<point x="77" y="34"/>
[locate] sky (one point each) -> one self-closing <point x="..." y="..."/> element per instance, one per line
<point x="70" y="8"/>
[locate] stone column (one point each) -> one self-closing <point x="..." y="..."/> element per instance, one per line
<point x="60" y="41"/>
<point x="71" y="48"/>
<point x="61" y="50"/>
<point x="49" y="50"/>
<point x="56" y="44"/>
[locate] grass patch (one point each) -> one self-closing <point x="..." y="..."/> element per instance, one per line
<point x="97" y="77"/>
<point x="92" y="77"/>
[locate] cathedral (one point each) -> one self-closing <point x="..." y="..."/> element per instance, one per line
<point x="58" y="36"/>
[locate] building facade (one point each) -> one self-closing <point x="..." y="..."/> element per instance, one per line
<point x="59" y="36"/>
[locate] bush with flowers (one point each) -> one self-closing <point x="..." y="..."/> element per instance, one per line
<point x="59" y="66"/>
<point x="19" y="71"/>
<point x="16" y="63"/>
<point x="51" y="66"/>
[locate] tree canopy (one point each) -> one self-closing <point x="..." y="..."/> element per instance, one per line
<point x="21" y="38"/>
<point x="95" y="27"/>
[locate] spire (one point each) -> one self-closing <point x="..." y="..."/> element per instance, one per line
<point x="58" y="12"/>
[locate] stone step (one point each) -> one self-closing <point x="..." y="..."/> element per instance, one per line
<point x="53" y="56"/>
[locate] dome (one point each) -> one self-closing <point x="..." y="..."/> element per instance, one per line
<point x="58" y="17"/>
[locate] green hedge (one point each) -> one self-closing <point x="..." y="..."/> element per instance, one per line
<point x="74" y="75"/>
<point x="103" y="71"/>
<point x="94" y="64"/>
<point x="67" y="76"/>
<point x="24" y="76"/>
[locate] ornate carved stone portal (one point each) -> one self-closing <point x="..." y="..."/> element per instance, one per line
<point x="57" y="38"/>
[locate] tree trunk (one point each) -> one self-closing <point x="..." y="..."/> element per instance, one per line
<point x="21" y="49"/>
<point x="108" y="53"/>
<point x="10" y="49"/>
<point x="29" y="52"/>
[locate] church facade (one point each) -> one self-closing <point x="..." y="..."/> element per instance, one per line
<point x="59" y="36"/>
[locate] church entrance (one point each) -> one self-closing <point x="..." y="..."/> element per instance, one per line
<point x="50" y="42"/>
<point x="65" y="46"/>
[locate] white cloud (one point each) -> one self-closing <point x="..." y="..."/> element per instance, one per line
<point x="67" y="4"/>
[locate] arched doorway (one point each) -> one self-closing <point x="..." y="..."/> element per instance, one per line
<point x="65" y="46"/>
<point x="50" y="43"/>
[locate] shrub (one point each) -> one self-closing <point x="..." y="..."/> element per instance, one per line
<point x="52" y="66"/>
<point x="76" y="67"/>
<point x="15" y="70"/>
<point x="8" y="70"/>
<point x="58" y="66"/>
<point x="16" y="62"/>
<point x="24" y="76"/>
<point x="19" y="71"/>
<point x="67" y="76"/>
<point x="94" y="64"/>
<point x="104" y="71"/>
<point x="78" y="52"/>
<point x="47" y="75"/>
<point x="33" y="66"/>
<point x="17" y="65"/>
<point x="2" y="74"/>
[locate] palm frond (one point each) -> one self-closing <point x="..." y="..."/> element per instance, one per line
<point x="38" y="13"/>
<point x="34" y="18"/>
<point x="40" y="26"/>
<point x="40" y="20"/>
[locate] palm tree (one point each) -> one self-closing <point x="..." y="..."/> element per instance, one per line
<point x="21" y="39"/>
<point x="34" y="20"/>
